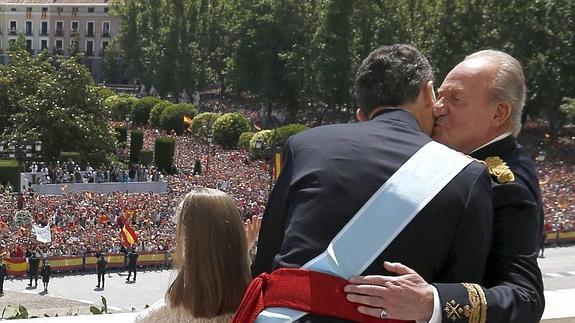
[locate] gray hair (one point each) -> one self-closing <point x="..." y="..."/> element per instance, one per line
<point x="508" y="83"/>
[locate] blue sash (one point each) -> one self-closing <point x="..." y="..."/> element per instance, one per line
<point x="382" y="218"/>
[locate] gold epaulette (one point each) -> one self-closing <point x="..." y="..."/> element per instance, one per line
<point x="498" y="169"/>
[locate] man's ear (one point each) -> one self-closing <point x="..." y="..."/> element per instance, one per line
<point x="429" y="94"/>
<point x="360" y="115"/>
<point x="502" y="114"/>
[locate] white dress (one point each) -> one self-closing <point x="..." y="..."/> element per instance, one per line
<point x="161" y="312"/>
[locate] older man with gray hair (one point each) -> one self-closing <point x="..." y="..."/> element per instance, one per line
<point x="478" y="112"/>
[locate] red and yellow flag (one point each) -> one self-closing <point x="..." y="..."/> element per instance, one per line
<point x="128" y="235"/>
<point x="187" y="121"/>
<point x="277" y="165"/>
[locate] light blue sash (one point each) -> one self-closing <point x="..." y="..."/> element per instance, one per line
<point x="382" y="218"/>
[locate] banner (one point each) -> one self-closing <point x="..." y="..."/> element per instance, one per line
<point x="43" y="234"/>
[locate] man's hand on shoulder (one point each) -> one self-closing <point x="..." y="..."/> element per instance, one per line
<point x="405" y="297"/>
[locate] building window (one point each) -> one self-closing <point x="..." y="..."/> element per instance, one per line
<point x="104" y="45"/>
<point x="13" y="30"/>
<point x="74" y="11"/>
<point x="60" y="10"/>
<point x="90" y="9"/>
<point x="75" y="25"/>
<point x="89" y="48"/>
<point x="90" y="29"/>
<point x="44" y="12"/>
<point x="29" y="45"/>
<point x="44" y="29"/>
<point x="12" y="9"/>
<point x="106" y="10"/>
<point x="29" y="28"/>
<point x="43" y="44"/>
<point x="106" y="29"/>
<point x="59" y="28"/>
<point x="29" y="13"/>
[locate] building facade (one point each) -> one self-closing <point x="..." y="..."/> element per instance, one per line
<point x="59" y="26"/>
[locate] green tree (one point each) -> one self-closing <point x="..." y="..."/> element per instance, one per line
<point x="57" y="102"/>
<point x="156" y="113"/>
<point x="335" y="58"/>
<point x="142" y="108"/>
<point x="173" y="117"/>
<point x="229" y="127"/>
<point x="203" y="123"/>
<point x="111" y="62"/>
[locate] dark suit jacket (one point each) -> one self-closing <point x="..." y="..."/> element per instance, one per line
<point x="513" y="284"/>
<point x="331" y="171"/>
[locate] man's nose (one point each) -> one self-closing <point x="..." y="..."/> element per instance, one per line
<point x="439" y="108"/>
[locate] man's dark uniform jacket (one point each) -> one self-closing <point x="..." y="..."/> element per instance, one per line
<point x="331" y="171"/>
<point x="516" y="293"/>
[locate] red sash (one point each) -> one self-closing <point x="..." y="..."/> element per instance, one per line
<point x="308" y="291"/>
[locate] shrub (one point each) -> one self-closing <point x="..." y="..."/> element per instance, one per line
<point x="120" y="106"/>
<point x="121" y="133"/>
<point x="10" y="173"/>
<point x="283" y="133"/>
<point x="267" y="142"/>
<point x="146" y="157"/>
<point x="156" y="113"/>
<point x="67" y="155"/>
<point x="206" y="119"/>
<point x="244" y="141"/>
<point x="164" y="153"/>
<point x="173" y="116"/>
<point x="136" y="144"/>
<point x="229" y="127"/>
<point x="142" y="108"/>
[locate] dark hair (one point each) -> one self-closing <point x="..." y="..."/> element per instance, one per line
<point x="391" y="76"/>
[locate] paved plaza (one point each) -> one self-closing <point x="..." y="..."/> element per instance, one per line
<point x="68" y="295"/>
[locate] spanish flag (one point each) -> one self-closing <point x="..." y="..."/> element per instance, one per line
<point x="187" y="121"/>
<point x="128" y="235"/>
<point x="277" y="165"/>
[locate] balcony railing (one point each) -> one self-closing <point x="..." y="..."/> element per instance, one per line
<point x="90" y="34"/>
<point x="105" y="34"/>
<point x="13" y="32"/>
<point x="29" y="33"/>
<point x="59" y="33"/>
<point x="44" y="33"/>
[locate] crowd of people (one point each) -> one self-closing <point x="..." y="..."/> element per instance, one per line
<point x="88" y="222"/>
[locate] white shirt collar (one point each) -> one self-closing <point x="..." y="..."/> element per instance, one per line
<point x="496" y="139"/>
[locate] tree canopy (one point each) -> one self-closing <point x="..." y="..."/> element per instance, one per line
<point x="56" y="101"/>
<point x="291" y="53"/>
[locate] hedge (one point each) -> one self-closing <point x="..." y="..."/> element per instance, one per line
<point x="173" y="116"/>
<point x="206" y="119"/>
<point x="142" y="108"/>
<point x="286" y="131"/>
<point x="10" y="173"/>
<point x="146" y="157"/>
<point x="120" y="106"/>
<point x="136" y="145"/>
<point x="164" y="149"/>
<point x="267" y="137"/>
<point x="229" y="127"/>
<point x="156" y="113"/>
<point x="67" y="155"/>
<point x="121" y="133"/>
<point x="244" y="141"/>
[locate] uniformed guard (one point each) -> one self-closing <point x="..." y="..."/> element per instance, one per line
<point x="33" y="264"/>
<point x="132" y="263"/>
<point x="101" y="267"/>
<point x="45" y="272"/>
